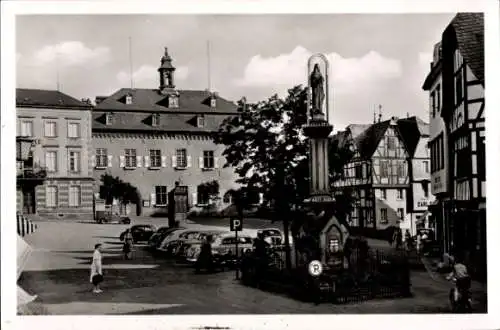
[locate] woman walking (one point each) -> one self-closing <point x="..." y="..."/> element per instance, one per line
<point x="96" y="277"/>
<point x="128" y="242"/>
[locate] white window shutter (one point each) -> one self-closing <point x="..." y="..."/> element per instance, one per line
<point x="261" y="198"/>
<point x="139" y="161"/>
<point x="146" y="161"/>
<point x="163" y="161"/>
<point x="153" y="199"/>
<point x="200" y="160"/>
<point x="189" y="162"/>
<point x="122" y="161"/>
<point x="110" y="160"/>
<point x="216" y="162"/>
<point x="195" y="199"/>
<point x="92" y="160"/>
<point x="174" y="161"/>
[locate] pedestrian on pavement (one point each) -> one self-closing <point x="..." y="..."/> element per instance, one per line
<point x="260" y="250"/>
<point x="128" y="243"/>
<point x="399" y="238"/>
<point x="96" y="277"/>
<point x="419" y="242"/>
<point x="408" y="240"/>
<point x="205" y="259"/>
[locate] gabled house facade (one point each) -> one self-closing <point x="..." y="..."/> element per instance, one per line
<point x="464" y="215"/>
<point x="56" y="130"/>
<point x="157" y="138"/>
<point x="378" y="174"/>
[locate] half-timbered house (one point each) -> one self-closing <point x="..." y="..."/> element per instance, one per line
<point x="155" y="138"/>
<point x="379" y="172"/>
<point x="463" y="115"/>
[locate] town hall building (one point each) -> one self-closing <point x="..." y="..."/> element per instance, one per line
<point x="156" y="139"/>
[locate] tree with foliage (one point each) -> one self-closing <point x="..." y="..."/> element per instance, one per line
<point x="266" y="147"/>
<point x="114" y="188"/>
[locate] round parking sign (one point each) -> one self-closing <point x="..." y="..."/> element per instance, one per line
<point x="315" y="268"/>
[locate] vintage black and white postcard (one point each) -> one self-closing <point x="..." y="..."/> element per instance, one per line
<point x="250" y="164"/>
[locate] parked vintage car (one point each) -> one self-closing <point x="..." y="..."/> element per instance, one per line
<point x="109" y="217"/>
<point x="223" y="249"/>
<point x="185" y="245"/>
<point x="171" y="241"/>
<point x="140" y="233"/>
<point x="156" y="239"/>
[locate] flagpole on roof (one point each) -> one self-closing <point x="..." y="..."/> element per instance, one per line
<point x="57" y="72"/>
<point x="130" y="62"/>
<point x="208" y="67"/>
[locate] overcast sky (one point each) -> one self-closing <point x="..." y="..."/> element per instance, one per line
<point x="375" y="59"/>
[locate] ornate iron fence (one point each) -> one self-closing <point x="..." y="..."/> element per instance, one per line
<point x="364" y="275"/>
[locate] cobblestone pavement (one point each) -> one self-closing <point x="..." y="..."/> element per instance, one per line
<point x="58" y="272"/>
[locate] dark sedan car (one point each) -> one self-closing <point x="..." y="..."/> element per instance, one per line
<point x="140" y="233"/>
<point x="159" y="235"/>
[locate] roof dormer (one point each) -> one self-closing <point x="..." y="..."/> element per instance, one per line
<point x="155" y="119"/>
<point x="109" y="118"/>
<point x="173" y="101"/>
<point x="128" y="99"/>
<point x="200" y="121"/>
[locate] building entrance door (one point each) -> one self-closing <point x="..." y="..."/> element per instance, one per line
<point x="181" y="199"/>
<point x="28" y="201"/>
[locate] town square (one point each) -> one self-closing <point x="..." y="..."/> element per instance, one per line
<point x="318" y="164"/>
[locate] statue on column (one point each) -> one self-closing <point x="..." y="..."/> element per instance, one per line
<point x="316" y="81"/>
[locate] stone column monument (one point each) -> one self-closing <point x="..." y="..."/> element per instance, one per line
<point x="324" y="226"/>
<point x="318" y="129"/>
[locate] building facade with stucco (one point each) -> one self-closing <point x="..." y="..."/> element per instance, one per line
<point x="54" y="179"/>
<point x="155" y="138"/>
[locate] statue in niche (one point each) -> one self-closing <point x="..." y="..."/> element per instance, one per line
<point x="316" y="81"/>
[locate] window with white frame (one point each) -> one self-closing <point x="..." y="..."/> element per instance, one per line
<point x="101" y="157"/>
<point x="74" y="161"/>
<point x="383" y="193"/>
<point x="51" y="160"/>
<point x="181" y="155"/>
<point x="200" y="121"/>
<point x="425" y="165"/>
<point x="73" y="130"/>
<point x="50" y="129"/>
<point x="400" y="193"/>
<point x="130" y="158"/>
<point x="173" y="102"/>
<point x="155" y="119"/>
<point x="383" y="215"/>
<point x="401" y="169"/>
<point x="208" y="159"/>
<point x="425" y="188"/>
<point x="161" y="195"/>
<point x="128" y="99"/>
<point x="26" y="128"/>
<point x="74" y="196"/>
<point x="391" y="143"/>
<point x="384" y="169"/>
<point x="155" y="157"/>
<point x="51" y="196"/>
